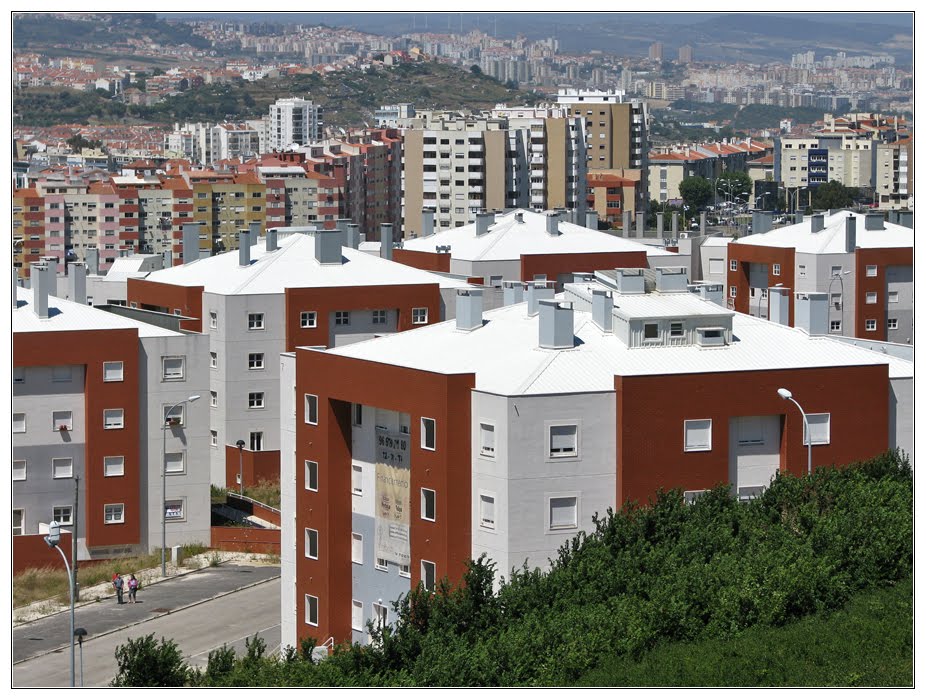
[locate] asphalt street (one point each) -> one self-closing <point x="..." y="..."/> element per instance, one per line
<point x="200" y="611"/>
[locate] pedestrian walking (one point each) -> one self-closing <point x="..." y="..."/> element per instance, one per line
<point x="118" y="583"/>
<point x="133" y="588"/>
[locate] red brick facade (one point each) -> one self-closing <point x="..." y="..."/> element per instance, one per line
<point x="881" y="258"/>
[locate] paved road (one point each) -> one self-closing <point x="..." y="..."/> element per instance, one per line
<point x="228" y="618"/>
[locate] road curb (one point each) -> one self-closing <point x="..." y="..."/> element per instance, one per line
<point x="148" y="619"/>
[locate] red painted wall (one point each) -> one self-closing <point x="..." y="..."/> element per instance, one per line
<point x="91" y="348"/>
<point x="769" y="255"/>
<point x="554" y="264"/>
<point x="31" y="552"/>
<point x="882" y="257"/>
<point x="338" y="381"/>
<point x="256" y="466"/>
<point x="246" y="539"/>
<point x="171" y="296"/>
<point x="649" y="458"/>
<point x="438" y="262"/>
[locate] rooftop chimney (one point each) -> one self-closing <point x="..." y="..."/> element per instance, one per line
<point x="92" y="258"/>
<point x="811" y="312"/>
<point x="778" y="305"/>
<point x="602" y="306"/>
<point x="557" y="329"/>
<point x="427" y="222"/>
<point x="469" y="309"/>
<point x="39" y="277"/>
<point x="659" y="225"/>
<point x="798" y="217"/>
<point x="712" y="293"/>
<point x="675" y="225"/>
<point x="271" y="240"/>
<point x="244" y="249"/>
<point x="630" y="280"/>
<point x="537" y="291"/>
<point x="15" y="286"/>
<point x="165" y="258"/>
<point x="671" y="279"/>
<point x="327" y="246"/>
<point x="703" y="230"/>
<point x="385" y="241"/>
<point x="353" y="236"/>
<point x="816" y="223"/>
<point x="905" y="218"/>
<point x="591" y="220"/>
<point x="850" y="233"/>
<point x="190" y="243"/>
<point x="77" y="282"/>
<point x="519" y="217"/>
<point x="761" y="222"/>
<point x="512" y="293"/>
<point x="641" y="222"/>
<point x="484" y="219"/>
<point x="625" y="230"/>
<point x="553" y="223"/>
<point x="874" y="222"/>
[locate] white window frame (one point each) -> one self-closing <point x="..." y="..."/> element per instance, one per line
<point x="835" y="271"/>
<point x="56" y="515"/>
<point x="562" y="497"/>
<point x="311" y="406"/>
<point x="817" y="419"/>
<point x="214" y="438"/>
<point x="310" y="475"/>
<point x="871" y="297"/>
<point x="113" y="513"/>
<point x="256" y="321"/>
<point x="893" y="297"/>
<point x="426" y="496"/>
<point x="733" y="291"/>
<point x="174" y="412"/>
<point x="380" y="564"/>
<point x="18" y="423"/>
<point x="308" y="319"/>
<point x="255" y="361"/>
<point x="676" y="326"/>
<point x="110" y="368"/>
<point x="380" y="317"/>
<point x="356" y="479"/>
<point x="255" y="400"/>
<point x="871" y="270"/>
<point x="213" y="319"/>
<point x="871" y="324"/>
<point x="165" y="377"/>
<point x="356" y="548"/>
<point x="486" y="450"/>
<point x="692" y="424"/>
<point x="801" y="270"/>
<point x="21" y="528"/>
<point x="342" y="318"/>
<point x="893" y="324"/>
<point x="19" y="472"/>
<point x="836" y="326"/>
<point x="168" y="461"/>
<point x="559" y="454"/>
<point x="356" y="615"/>
<point x="258" y="440"/>
<point x="213" y="399"/>
<point x="424" y="434"/>
<point x="776" y="269"/>
<point x="59" y="418"/>
<point x="647" y="326"/>
<point x="380" y="615"/>
<point x="311" y="602"/>
<point x="310" y="545"/>
<point x="405" y="571"/>
<point x="419" y="315"/>
<point x="486" y="523"/>
<point x="425" y="564"/>
<point x="110" y="413"/>
<point x="175" y="518"/>
<point x="112" y="467"/>
<point x="733" y="265"/>
<point x="213" y="360"/>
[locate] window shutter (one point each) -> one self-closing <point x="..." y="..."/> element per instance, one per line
<point x="563" y="512"/>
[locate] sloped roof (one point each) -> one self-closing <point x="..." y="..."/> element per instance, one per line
<point x="832" y="238"/>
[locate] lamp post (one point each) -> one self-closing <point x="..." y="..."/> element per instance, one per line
<point x="164" y="423"/>
<point x="786" y="395"/>
<point x="52" y="539"/>
<point x="80" y="633"/>
<point x="240" y="446"/>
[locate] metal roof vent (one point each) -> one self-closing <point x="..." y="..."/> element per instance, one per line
<point x="557" y="329"/>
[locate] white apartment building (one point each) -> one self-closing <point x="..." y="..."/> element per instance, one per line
<point x="293" y="120"/>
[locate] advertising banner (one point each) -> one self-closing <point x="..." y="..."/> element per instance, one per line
<point x="393" y="489"/>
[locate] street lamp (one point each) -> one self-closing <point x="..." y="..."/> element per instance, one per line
<point x="80" y="633"/>
<point x="240" y="446"/>
<point x="164" y="423"/>
<point x="52" y="540"/>
<point x="786" y="395"/>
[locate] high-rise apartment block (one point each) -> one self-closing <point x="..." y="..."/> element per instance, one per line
<point x="655" y="51"/>
<point x="685" y="54"/>
<point x="293" y="120"/>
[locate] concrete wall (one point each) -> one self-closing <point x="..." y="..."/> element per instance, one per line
<point x="361" y="327"/>
<point x="287" y="368"/>
<point x="900" y="420"/>
<point x="899" y="278"/>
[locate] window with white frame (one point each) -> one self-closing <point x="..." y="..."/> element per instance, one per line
<point x="213" y="360"/>
<point x="356" y="548"/>
<point x="428" y="574"/>
<point x="172" y="368"/>
<point x="255" y="399"/>
<point x="379" y="316"/>
<point x="698" y="435"/>
<point x="113" y="418"/>
<point x="112" y="371"/>
<point x="487" y="511"/>
<point x="308" y="319"/>
<point x="19" y="517"/>
<point x="342" y="318"/>
<point x="428" y="434"/>
<point x="381" y="564"/>
<point x="871" y="324"/>
<point x="380" y="615"/>
<point x="63" y="515"/>
<point x="419" y="315"/>
<point x="715" y="266"/>
<point x="776" y="269"/>
<point x="62" y="420"/>
<point x="255" y="360"/>
<point x="256" y="441"/>
<point x="311" y="409"/>
<point x="871" y="271"/>
<point x="311" y="475"/>
<point x="255" y="322"/>
<point x="19" y="375"/>
<point x="676" y="329"/>
<point x="174" y="462"/>
<point x="214" y="438"/>
<point x="311" y="610"/>
<point x="871" y="297"/>
<point x="174" y="415"/>
<point x="892" y="324"/>
<point x="213" y="399"/>
<point x="835" y="326"/>
<point x="19" y="422"/>
<point x="819" y="424"/>
<point x="801" y="270"/>
<point x="564" y="512"/>
<point x="173" y="509"/>
<point x="356" y="480"/>
<point x="405" y="571"/>
<point x="893" y="297"/>
<point x="733" y="292"/>
<point x="650" y="331"/>
<point x="19" y="470"/>
<point x="311" y="543"/>
<point x="487" y="439"/>
<point x="836" y="298"/>
<point x="114" y="466"/>
<point x="733" y="265"/>
<point x="835" y="270"/>
<point x="213" y="319"/>
<point x="61" y="373"/>
<point x="428" y="504"/>
<point x="114" y="513"/>
<point x="356" y="615"/>
<point x="564" y="441"/>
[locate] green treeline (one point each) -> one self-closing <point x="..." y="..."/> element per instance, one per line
<point x="646" y="576"/>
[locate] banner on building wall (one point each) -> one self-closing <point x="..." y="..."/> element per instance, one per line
<point x="393" y="489"/>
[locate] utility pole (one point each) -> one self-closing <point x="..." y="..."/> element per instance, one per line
<point x="76" y="591"/>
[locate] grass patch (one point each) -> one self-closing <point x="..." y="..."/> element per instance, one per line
<point x="867" y="643"/>
<point x="266" y="492"/>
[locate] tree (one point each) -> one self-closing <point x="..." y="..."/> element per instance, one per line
<point x="475" y="70"/>
<point x="832" y="195"/>
<point x="733" y="184"/>
<point x="696" y="191"/>
<point x="145" y="663"/>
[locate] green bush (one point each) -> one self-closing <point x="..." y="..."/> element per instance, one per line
<point x="144" y="662"/>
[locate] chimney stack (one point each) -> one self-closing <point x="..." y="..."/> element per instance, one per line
<point x="798" y="217"/>
<point x="535" y="292"/>
<point x="850" y="233"/>
<point x="811" y="312"/>
<point x="816" y="223"/>
<point x="15" y="286"/>
<point x="77" y="282"/>
<point x="519" y="217"/>
<point x="602" y="306"/>
<point x="778" y="305"/>
<point x="703" y="230"/>
<point x="244" y="249"/>
<point x="427" y="222"/>
<point x="591" y="220"/>
<point x="874" y="222"/>
<point x="553" y="223"/>
<point x="190" y="243"/>
<point x="39" y="278"/>
<point x="353" y="236"/>
<point x="512" y="293"/>
<point x="327" y="246"/>
<point x="630" y="280"/>
<point x="674" y="225"/>
<point x="659" y="228"/>
<point x="92" y="258"/>
<point x="625" y="230"/>
<point x="557" y="327"/>
<point x="271" y="240"/>
<point x="469" y="309"/>
<point x="484" y="219"/>
<point x="641" y="222"/>
<point x="905" y="218"/>
<point x="712" y="293"/>
<point x="671" y="279"/>
<point x="385" y="241"/>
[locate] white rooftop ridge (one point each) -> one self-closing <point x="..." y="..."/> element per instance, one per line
<point x="506" y="358"/>
<point x="509" y="239"/>
<point x="293" y="265"/>
<point x="832" y="238"/>
<point x="64" y="315"/>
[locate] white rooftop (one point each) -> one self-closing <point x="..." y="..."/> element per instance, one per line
<point x="128" y="266"/>
<point x="509" y="239"/>
<point x="64" y="315"/>
<point x="293" y="265"/>
<point x="506" y="358"/>
<point x="653" y="304"/>
<point x="832" y="238"/>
